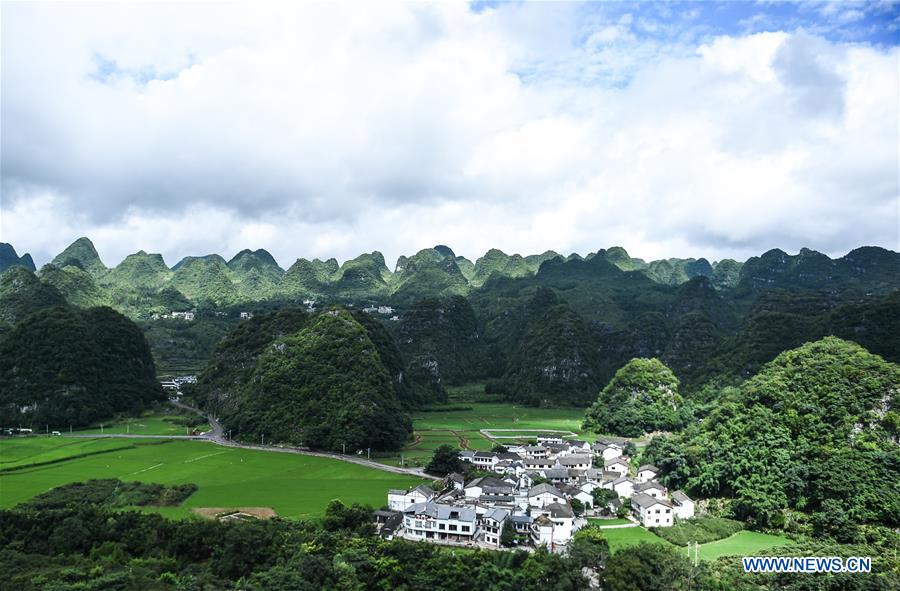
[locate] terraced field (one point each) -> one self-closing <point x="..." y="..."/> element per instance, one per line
<point x="293" y="485"/>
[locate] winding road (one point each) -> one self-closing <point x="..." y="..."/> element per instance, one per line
<point x="217" y="435"/>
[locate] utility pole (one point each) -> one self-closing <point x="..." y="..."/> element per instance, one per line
<point x="368" y="453"/>
<point x="344" y="448"/>
<point x="101" y="428"/>
<point x="263" y="438"/>
<point x="70" y="428"/>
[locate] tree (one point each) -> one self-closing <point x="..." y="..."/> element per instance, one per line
<point x="445" y="460"/>
<point x="646" y="567"/>
<point x="589" y="548"/>
<point x="642" y="396"/>
<point x="602" y="498"/>
<point x="499" y="448"/>
<point x="577" y="507"/>
<point x="508" y="535"/>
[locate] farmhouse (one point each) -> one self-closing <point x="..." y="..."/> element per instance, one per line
<point x="624" y="486"/>
<point x="684" y="506"/>
<point x="399" y="500"/>
<point x="544" y="494"/>
<point x="492" y="526"/>
<point x="485" y="460"/>
<point x="562" y="517"/>
<point x="652" y="512"/>
<point x="616" y="465"/>
<point x="647" y="472"/>
<point x="425" y="521"/>
<point x="575" y="462"/>
<point x="652" y="489"/>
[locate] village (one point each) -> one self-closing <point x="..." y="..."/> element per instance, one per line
<point x="535" y="495"/>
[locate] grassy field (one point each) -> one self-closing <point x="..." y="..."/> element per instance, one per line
<point x="607" y="522"/>
<point x="743" y="543"/>
<point x="460" y="425"/>
<point x="294" y="485"/>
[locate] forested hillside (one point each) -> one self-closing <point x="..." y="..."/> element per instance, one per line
<point x="318" y="381"/>
<point x="541" y="329"/>
<point x="816" y="430"/>
<point x="67" y="367"/>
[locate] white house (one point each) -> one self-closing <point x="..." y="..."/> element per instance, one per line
<point x="430" y="521"/>
<point x="488" y="487"/>
<point x="652" y="512"/>
<point x="456" y="480"/>
<point x="616" y="465"/>
<point x="539" y="463"/>
<point x="609" y="450"/>
<point x="485" y="460"/>
<point x="575" y="462"/>
<point x="542" y="531"/>
<point x="563" y="519"/>
<point x="623" y="486"/>
<point x="536" y="451"/>
<point x="399" y="500"/>
<point x="544" y="494"/>
<point x="492" y="526"/>
<point x="684" y="506"/>
<point x="546" y="438"/>
<point x="647" y="472"/>
<point x="653" y="489"/>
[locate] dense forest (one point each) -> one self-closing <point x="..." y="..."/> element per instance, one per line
<point x="317" y="381"/>
<point x="812" y="438"/>
<point x="66" y="367"/>
<point x="84" y="546"/>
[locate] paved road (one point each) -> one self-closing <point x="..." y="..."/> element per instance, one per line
<point x="216" y="435"/>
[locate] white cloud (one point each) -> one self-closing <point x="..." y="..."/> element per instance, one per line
<point x="328" y="130"/>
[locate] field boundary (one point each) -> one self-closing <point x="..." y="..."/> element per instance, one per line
<point x="489" y="433"/>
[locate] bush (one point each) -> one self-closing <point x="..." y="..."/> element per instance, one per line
<point x="699" y="529"/>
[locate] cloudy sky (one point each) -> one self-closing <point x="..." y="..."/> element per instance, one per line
<point x="698" y="129"/>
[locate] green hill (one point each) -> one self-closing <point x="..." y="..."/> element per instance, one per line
<point x="815" y="430"/>
<point x="83" y="255"/>
<point x="9" y="258"/>
<point x="323" y="385"/>
<point x="61" y="367"/>
<point x="22" y="293"/>
<point x="205" y="279"/>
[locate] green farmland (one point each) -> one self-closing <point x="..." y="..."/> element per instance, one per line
<point x="743" y="543"/>
<point x="293" y="485"/>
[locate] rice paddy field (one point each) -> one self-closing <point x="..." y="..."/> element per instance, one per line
<point x="295" y="486"/>
<point x="743" y="543"/>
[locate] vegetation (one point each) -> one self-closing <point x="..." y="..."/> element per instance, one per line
<point x="111" y="492"/>
<point x="642" y="396"/>
<point x="699" y="530"/>
<point x="445" y="461"/>
<point x="61" y="367"/>
<point x="295" y="486"/>
<point x="815" y="430"/>
<point x="9" y="258"/>
<point x="323" y="386"/>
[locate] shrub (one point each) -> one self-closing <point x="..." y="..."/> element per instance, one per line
<point x="699" y="529"/>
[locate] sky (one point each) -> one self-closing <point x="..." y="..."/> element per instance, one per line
<point x="327" y="130"/>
